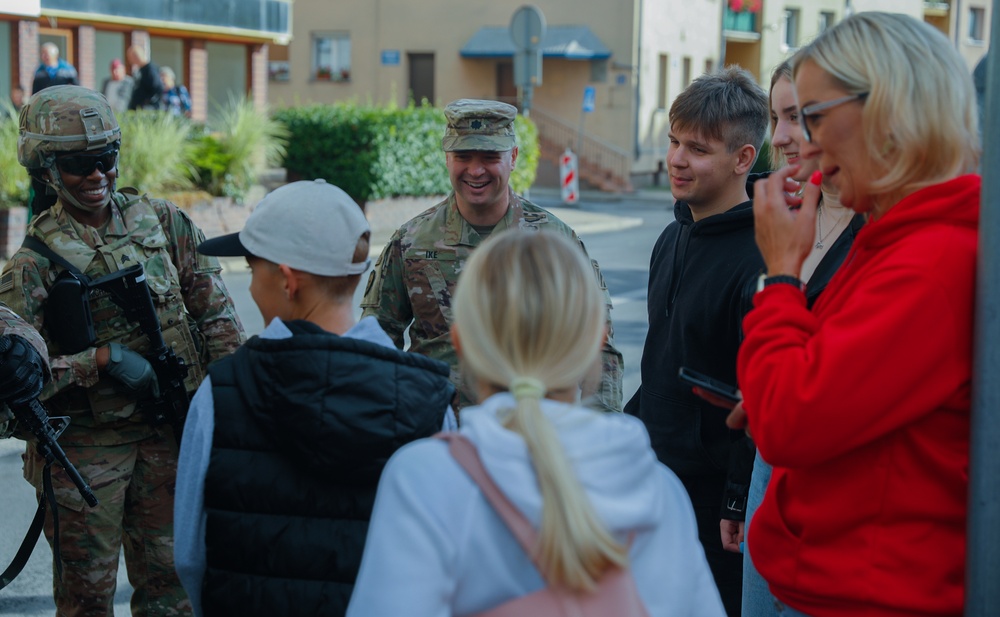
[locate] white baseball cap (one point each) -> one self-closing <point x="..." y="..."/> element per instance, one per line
<point x="312" y="226"/>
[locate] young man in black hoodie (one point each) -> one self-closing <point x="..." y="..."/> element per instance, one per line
<point x="699" y="274"/>
<point x="286" y="439"/>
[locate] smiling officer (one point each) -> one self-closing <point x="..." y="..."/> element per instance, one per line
<point x="414" y="278"/>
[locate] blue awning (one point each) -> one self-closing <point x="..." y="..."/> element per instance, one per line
<point x="571" y="42"/>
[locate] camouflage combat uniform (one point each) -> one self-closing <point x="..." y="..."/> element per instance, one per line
<point x="414" y="279"/>
<point x="10" y="323"/>
<point x="130" y="464"/>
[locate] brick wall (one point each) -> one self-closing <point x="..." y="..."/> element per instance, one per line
<point x="87" y="47"/>
<point x="27" y="57"/>
<point x="198" y="80"/>
<point x="140" y="38"/>
<point x="258" y="76"/>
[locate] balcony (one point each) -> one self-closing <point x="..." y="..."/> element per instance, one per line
<point x="739" y="22"/>
<point x="936" y="9"/>
<point x="266" y="16"/>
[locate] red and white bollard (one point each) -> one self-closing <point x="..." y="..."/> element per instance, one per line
<point x="568" y="179"/>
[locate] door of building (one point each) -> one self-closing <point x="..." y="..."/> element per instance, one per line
<point x="421" y="77"/>
<point x="506" y="90"/>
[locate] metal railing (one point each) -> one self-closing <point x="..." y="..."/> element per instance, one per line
<point x="609" y="166"/>
<point x="261" y="15"/>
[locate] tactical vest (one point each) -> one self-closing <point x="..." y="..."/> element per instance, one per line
<point x="145" y="243"/>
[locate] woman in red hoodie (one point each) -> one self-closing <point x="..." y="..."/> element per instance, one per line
<point x="862" y="403"/>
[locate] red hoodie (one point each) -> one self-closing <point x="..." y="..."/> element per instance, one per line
<point x="862" y="406"/>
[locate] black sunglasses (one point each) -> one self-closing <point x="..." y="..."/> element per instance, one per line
<point x="85" y="164"/>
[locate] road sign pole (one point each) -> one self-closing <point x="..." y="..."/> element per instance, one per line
<point x="982" y="594"/>
<point x="527" y="29"/>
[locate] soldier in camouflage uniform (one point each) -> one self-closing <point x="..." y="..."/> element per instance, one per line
<point x="69" y="140"/>
<point x="414" y="278"/>
<point x="24" y="367"/>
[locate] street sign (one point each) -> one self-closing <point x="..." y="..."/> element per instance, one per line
<point x="390" y="57"/>
<point x="589" y="95"/>
<point x="527" y="27"/>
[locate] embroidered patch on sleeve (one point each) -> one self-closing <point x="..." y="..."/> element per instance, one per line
<point x="7" y="282"/>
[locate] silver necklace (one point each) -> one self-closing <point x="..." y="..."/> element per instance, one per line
<point x="819" y="224"/>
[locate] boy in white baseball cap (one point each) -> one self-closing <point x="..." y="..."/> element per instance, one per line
<point x="286" y="438"/>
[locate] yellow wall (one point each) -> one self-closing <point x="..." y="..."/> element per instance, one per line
<point x="628" y="114"/>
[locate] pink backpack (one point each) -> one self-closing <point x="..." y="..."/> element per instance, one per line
<point x="616" y="594"/>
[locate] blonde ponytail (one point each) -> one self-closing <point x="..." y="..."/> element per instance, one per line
<point x="531" y="317"/>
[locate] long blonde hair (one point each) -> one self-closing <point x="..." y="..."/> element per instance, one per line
<point x="920" y="120"/>
<point x="529" y="310"/>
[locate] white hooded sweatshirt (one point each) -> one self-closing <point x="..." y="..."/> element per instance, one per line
<point x="436" y="547"/>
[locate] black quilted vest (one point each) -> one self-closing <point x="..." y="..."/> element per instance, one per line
<point x="303" y="428"/>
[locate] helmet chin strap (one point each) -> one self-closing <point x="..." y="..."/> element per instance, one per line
<point x="56" y="183"/>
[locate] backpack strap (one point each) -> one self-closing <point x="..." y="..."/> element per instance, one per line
<point x="465" y="453"/>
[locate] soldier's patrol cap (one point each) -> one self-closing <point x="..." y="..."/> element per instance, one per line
<point x="479" y="125"/>
<point x="309" y="225"/>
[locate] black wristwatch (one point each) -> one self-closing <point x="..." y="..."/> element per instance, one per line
<point x="784" y="279"/>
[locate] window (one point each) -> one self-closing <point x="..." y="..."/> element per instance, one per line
<point x="664" y="74"/>
<point x="826" y="19"/>
<point x="331" y="56"/>
<point x="791" y="28"/>
<point x="687" y="72"/>
<point x="599" y="71"/>
<point x="977" y="16"/>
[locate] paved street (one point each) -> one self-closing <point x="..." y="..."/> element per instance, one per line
<point x="619" y="233"/>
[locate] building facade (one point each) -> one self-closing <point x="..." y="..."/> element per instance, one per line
<point x="217" y="49"/>
<point x="624" y="61"/>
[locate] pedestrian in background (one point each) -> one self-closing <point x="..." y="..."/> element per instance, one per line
<point x="414" y="277"/>
<point x="700" y="271"/>
<point x="862" y="403"/>
<point x="69" y="141"/>
<point x="148" y="90"/>
<point x="118" y="87"/>
<point x="302" y="417"/>
<point x="53" y="71"/>
<point x="529" y="321"/>
<point x="176" y="98"/>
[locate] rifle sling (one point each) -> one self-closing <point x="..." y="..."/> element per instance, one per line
<point x="34" y="244"/>
<point x="34" y="531"/>
<point x="46" y="251"/>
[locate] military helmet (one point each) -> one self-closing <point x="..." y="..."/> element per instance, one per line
<point x="64" y="119"/>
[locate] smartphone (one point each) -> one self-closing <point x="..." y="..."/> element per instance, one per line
<point x="719" y="388"/>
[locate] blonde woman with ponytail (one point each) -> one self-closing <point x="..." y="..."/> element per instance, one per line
<point x="529" y="324"/>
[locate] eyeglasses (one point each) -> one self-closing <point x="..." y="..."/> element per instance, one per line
<point x="809" y="111"/>
<point x="85" y="164"/>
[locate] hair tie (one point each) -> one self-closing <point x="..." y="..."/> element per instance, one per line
<point x="527" y="387"/>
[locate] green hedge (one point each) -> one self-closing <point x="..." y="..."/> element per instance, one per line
<point x="378" y="152"/>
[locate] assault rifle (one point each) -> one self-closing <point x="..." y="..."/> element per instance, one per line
<point x="128" y="289"/>
<point x="71" y="324"/>
<point x="33" y="417"/>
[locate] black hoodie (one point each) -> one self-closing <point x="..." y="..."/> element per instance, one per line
<point x="698" y="276"/>
<point x="303" y="427"/>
